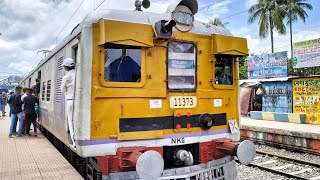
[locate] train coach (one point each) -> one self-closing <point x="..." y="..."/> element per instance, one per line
<point x="156" y="96"/>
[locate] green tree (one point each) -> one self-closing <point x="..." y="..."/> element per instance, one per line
<point x="218" y="22"/>
<point x="243" y="68"/>
<point x="295" y="9"/>
<point x="270" y="14"/>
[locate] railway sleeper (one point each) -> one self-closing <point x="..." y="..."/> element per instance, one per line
<point x="265" y="158"/>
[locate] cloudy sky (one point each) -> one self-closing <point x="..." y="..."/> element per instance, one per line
<point x="28" y="26"/>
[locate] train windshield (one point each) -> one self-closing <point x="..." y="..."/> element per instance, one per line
<point x="122" y="64"/>
<point x="223" y="70"/>
<point x="181" y="66"/>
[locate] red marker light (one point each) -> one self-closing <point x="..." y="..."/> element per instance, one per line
<point x="188" y="126"/>
<point x="178" y="115"/>
<point x="188" y="114"/>
<point x="178" y="126"/>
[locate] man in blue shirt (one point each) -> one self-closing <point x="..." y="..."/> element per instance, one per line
<point x="16" y="115"/>
<point x="124" y="69"/>
<point x="3" y="102"/>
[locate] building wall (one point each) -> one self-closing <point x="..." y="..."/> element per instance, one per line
<point x="277" y="97"/>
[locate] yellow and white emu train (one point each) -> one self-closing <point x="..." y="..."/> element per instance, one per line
<point x="156" y="96"/>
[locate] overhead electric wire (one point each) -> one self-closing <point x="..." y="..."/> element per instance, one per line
<point x="61" y="30"/>
<point x="66" y="23"/>
<point x="205" y="7"/>
<point x="12" y="69"/>
<point x="37" y="62"/>
<point x="3" y="72"/>
<point x="100" y="4"/>
<point x="235" y="14"/>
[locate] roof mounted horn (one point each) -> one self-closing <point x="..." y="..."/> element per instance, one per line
<point x="145" y="4"/>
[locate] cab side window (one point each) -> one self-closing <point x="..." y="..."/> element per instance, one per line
<point x="223" y="70"/>
<point x="122" y="63"/>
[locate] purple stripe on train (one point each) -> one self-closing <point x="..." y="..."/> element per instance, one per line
<point x="170" y="136"/>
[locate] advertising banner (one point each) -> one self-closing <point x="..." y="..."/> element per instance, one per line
<point x="306" y="53"/>
<point x="267" y="65"/>
<point x="277" y="97"/>
<point x="306" y="96"/>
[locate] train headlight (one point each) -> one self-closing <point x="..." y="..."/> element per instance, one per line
<point x="183" y="17"/>
<point x="205" y="121"/>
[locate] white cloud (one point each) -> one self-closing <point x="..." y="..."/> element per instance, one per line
<point x="249" y="3"/>
<point x="31" y="25"/>
<point x="281" y="42"/>
<point x="216" y="10"/>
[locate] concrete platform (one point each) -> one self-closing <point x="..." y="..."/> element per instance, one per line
<point x="282" y="117"/>
<point x="31" y="157"/>
<point x="298" y="136"/>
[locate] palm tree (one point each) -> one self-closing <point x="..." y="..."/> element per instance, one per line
<point x="218" y="22"/>
<point x="270" y="15"/>
<point x="295" y="10"/>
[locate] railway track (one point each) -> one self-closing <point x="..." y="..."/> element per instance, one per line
<point x="285" y="166"/>
<point x="284" y="146"/>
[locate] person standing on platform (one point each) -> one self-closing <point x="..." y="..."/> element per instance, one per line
<point x="67" y="87"/>
<point x="10" y="105"/>
<point x="2" y="104"/>
<point x="24" y="125"/>
<point x="24" y="90"/>
<point x="29" y="109"/>
<point x="5" y="99"/>
<point x="16" y="115"/>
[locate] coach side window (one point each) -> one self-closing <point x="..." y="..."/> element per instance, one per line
<point x="48" y="89"/>
<point x="223" y="70"/>
<point x="43" y="94"/>
<point x="122" y="63"/>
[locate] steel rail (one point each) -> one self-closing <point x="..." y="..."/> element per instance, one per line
<point x="288" y="159"/>
<point x="278" y="172"/>
<point x="284" y="146"/>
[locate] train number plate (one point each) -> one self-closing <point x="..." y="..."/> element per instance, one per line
<point x="183" y="101"/>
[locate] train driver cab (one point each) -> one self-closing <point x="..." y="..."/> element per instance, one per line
<point x="122" y="64"/>
<point x="223" y="70"/>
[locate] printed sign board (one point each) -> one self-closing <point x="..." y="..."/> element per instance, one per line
<point x="306" y="53"/>
<point x="267" y="65"/>
<point x="277" y="97"/>
<point x="306" y="96"/>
